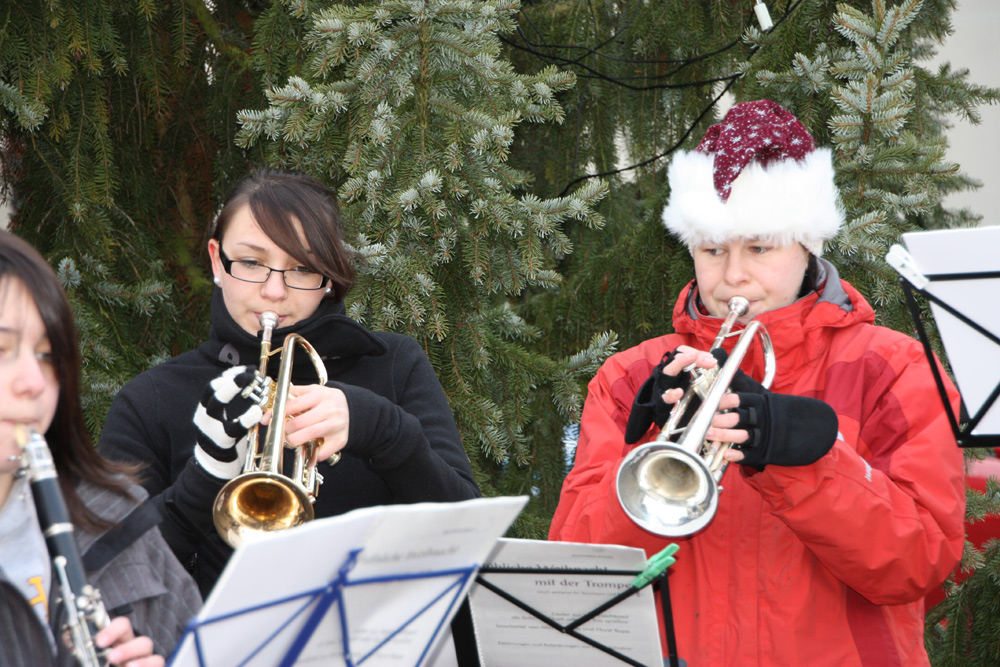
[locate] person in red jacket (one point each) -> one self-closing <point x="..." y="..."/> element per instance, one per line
<point x="844" y="503"/>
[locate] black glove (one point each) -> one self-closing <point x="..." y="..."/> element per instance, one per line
<point x="648" y="406"/>
<point x="230" y="406"/>
<point x="742" y="383"/>
<point x="784" y="430"/>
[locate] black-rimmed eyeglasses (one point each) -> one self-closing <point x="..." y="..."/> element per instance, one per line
<point x="252" y="271"/>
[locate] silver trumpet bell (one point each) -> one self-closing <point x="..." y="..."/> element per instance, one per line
<point x="670" y="486"/>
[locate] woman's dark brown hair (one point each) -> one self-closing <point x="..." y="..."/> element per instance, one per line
<point x="74" y="455"/>
<point x="276" y="198"/>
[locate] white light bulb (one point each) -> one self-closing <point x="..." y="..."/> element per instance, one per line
<point x="763" y="17"/>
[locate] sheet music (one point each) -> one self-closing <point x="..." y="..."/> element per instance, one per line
<point x="974" y="359"/>
<point x="507" y="635"/>
<point x="393" y="613"/>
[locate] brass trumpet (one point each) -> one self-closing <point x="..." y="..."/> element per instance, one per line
<point x="671" y="487"/>
<point x="261" y="499"/>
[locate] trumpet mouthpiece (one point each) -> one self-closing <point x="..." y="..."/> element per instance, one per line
<point x="737" y="304"/>
<point x="268" y="320"/>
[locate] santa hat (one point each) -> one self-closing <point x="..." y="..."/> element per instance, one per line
<point x="757" y="174"/>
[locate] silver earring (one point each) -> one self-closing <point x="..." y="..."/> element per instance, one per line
<point x="328" y="290"/>
<point x="216" y="280"/>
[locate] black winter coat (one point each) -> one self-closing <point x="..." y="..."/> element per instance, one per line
<point x="403" y="445"/>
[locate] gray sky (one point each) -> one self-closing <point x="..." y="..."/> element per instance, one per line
<point x="975" y="46"/>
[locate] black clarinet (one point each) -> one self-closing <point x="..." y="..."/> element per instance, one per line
<point x="85" y="612"/>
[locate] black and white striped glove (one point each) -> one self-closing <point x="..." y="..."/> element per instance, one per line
<point x="230" y="406"/>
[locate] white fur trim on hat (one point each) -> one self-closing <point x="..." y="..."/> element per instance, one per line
<point x="786" y="202"/>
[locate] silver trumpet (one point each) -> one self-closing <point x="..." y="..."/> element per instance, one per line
<point x="85" y="612"/>
<point x="670" y="486"/>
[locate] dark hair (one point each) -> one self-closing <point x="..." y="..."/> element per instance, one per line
<point x="74" y="455"/>
<point x="275" y="198"/>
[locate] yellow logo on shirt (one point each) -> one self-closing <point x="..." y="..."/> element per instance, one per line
<point x="41" y="598"/>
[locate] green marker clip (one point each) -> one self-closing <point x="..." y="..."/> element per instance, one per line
<point x="656" y="565"/>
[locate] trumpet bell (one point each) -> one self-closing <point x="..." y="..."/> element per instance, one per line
<point x="667" y="490"/>
<point x="259" y="502"/>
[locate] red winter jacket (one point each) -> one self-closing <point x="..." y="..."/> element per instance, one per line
<point x="825" y="564"/>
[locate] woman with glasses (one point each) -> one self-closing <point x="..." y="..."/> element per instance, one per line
<point x="276" y="246"/>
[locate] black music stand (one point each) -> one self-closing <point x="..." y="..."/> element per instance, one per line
<point x="960" y="266"/>
<point x="466" y="644"/>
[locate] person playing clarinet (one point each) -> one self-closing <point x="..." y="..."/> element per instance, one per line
<point x="66" y="514"/>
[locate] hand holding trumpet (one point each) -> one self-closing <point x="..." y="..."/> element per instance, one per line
<point x="321" y="414"/>
<point x="667" y="384"/>
<point x="764" y="428"/>
<point x="229" y="408"/>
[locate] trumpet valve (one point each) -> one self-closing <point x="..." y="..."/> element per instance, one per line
<point x="261" y="390"/>
<point x="702" y="382"/>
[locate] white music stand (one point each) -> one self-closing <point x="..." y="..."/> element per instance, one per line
<point x="958" y="271"/>
<point x="374" y="587"/>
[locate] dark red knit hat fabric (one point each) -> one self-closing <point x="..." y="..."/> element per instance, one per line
<point x="761" y="131"/>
